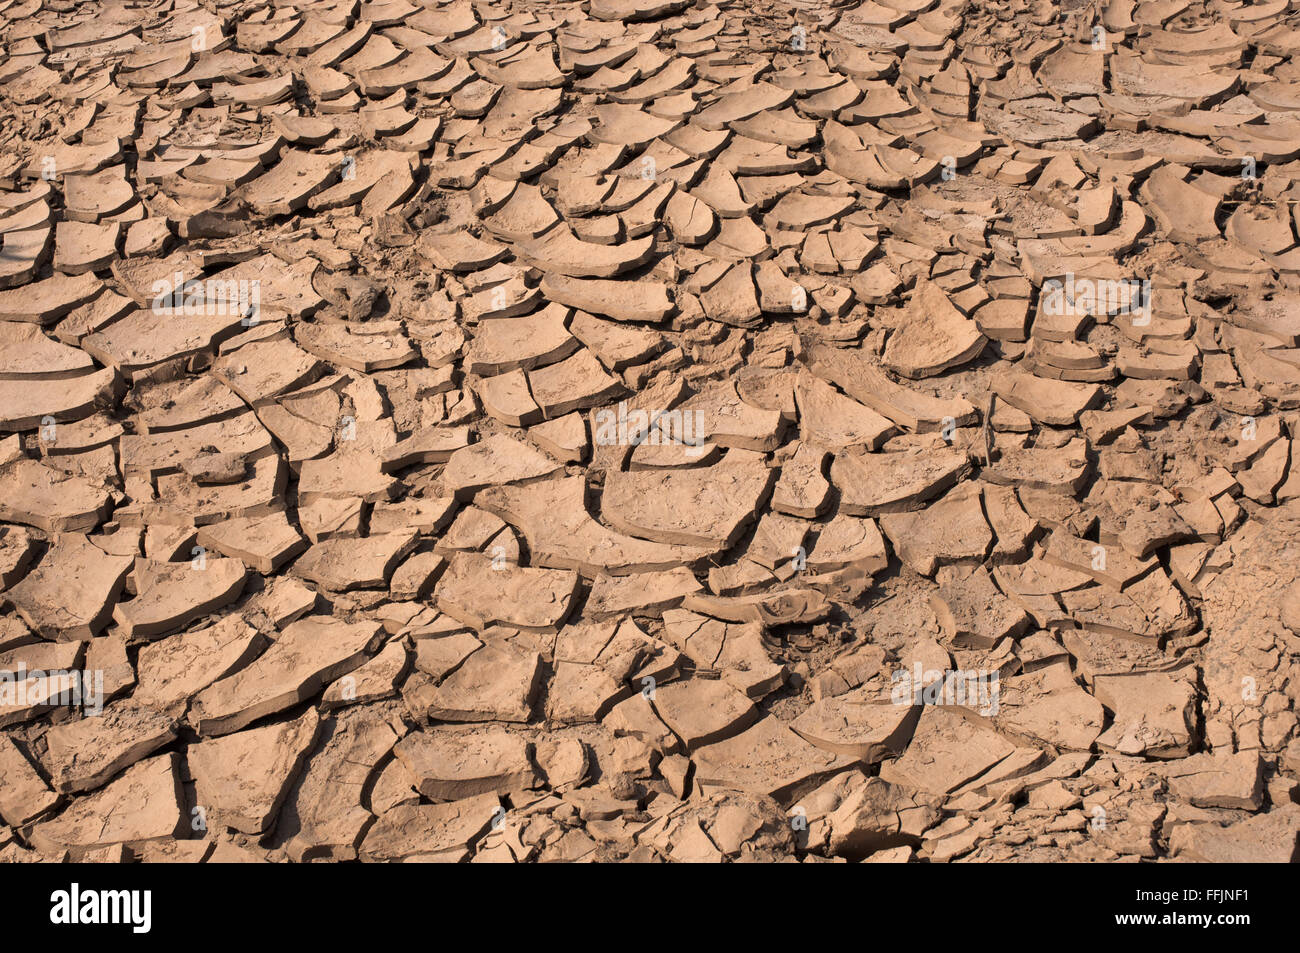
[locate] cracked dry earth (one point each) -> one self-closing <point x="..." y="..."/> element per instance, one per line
<point x="329" y="329"/>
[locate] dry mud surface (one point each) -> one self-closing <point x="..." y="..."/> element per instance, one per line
<point x="965" y="336"/>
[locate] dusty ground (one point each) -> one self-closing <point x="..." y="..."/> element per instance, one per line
<point x="965" y="336"/>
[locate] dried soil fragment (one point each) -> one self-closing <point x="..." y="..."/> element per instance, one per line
<point x="875" y="483"/>
<point x="83" y="755"/>
<point x="484" y="590"/>
<point x="931" y="335"/>
<point x="242" y="779"/>
<point x="71" y="593"/>
<point x="448" y="767"/>
<point x="1154" y="714"/>
<point x="308" y="654"/>
<point x="23" y="794"/>
<point x="862" y="729"/>
<point x="144" y="805"/>
<point x="430" y="832"/>
<point x="767" y="759"/>
<point x="171" y="595"/>
<point x="497" y="683"/>
<point x="947" y="750"/>
<point x="701" y="507"/>
<point x="342" y="564"/>
<point x="173" y="669"/>
<point x="325" y="813"/>
<point x="48" y="499"/>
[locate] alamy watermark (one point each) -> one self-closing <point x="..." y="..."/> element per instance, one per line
<point x="58" y="688"/>
<point x="218" y="297"/>
<point x="1092" y="296"/>
<point x="655" y="428"/>
<point x="967" y="688"/>
<point x="133" y="908"/>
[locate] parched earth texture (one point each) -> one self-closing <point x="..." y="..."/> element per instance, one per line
<point x="644" y="430"/>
